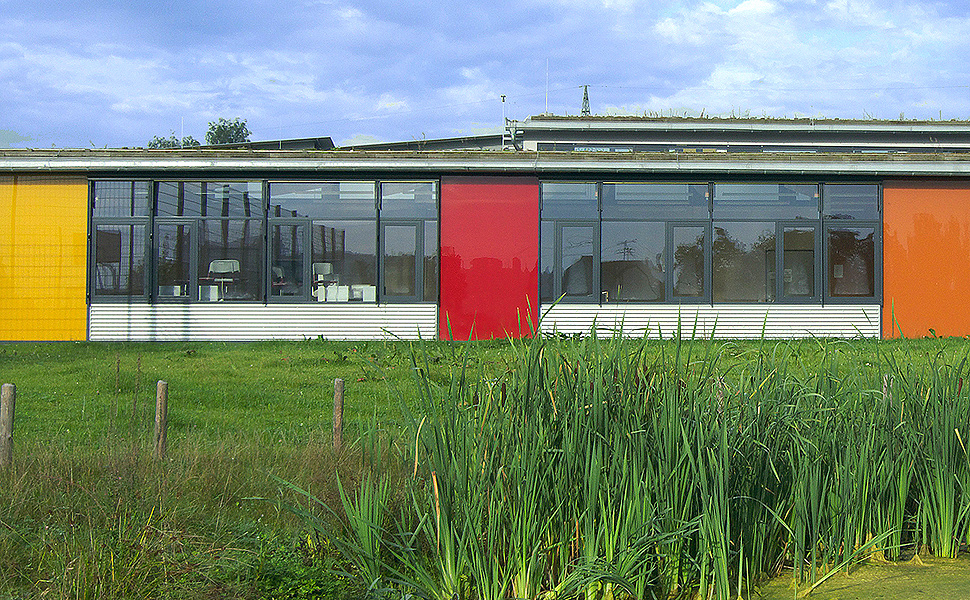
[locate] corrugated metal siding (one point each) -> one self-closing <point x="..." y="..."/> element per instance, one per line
<point x="171" y="322"/>
<point x="722" y="321"/>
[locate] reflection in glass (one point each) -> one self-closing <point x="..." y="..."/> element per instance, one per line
<point x="174" y="260"/>
<point x="765" y="201"/>
<point x="399" y="261"/>
<point x="120" y="198"/>
<point x="655" y="201"/>
<point x="850" y="201"/>
<point x="410" y="200"/>
<point x="798" y="275"/>
<point x="430" y="261"/>
<point x="851" y="252"/>
<point x="344" y="261"/>
<point x="323" y="199"/>
<point x="230" y="259"/>
<point x="743" y="262"/>
<point x="569" y="201"/>
<point x="547" y="259"/>
<point x="210" y="198"/>
<point x="631" y="263"/>
<point x="119" y="259"/>
<point x="286" y="262"/>
<point x="577" y="260"/>
<point x="688" y="264"/>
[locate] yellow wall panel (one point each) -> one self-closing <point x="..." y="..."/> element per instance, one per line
<point x="43" y="257"/>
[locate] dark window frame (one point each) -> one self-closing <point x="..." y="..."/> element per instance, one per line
<point x="94" y="221"/>
<point x="877" y="259"/>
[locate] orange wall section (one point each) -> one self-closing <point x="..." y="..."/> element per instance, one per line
<point x="43" y="250"/>
<point x="926" y="258"/>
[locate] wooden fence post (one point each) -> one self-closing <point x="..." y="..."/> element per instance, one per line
<point x="338" y="414"/>
<point x="161" y="419"/>
<point x="8" y="398"/>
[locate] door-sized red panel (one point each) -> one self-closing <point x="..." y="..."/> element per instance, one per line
<point x="489" y="257"/>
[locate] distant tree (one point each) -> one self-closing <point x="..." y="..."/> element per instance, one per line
<point x="171" y="141"/>
<point x="225" y="131"/>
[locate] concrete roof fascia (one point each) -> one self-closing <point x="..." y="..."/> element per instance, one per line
<point x="507" y="163"/>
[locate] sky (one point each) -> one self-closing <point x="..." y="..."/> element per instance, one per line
<point x="116" y="73"/>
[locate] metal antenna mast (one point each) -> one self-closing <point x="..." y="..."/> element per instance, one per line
<point x="585" y="112"/>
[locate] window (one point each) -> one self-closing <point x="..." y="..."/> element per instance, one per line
<point x="655" y="201"/>
<point x="798" y="280"/>
<point x="852" y="242"/>
<point x="689" y="264"/>
<point x="734" y="242"/>
<point x="409" y="241"/>
<point x="743" y="261"/>
<point x="120" y="213"/>
<point x="302" y="241"/>
<point x="120" y="199"/>
<point x="119" y="260"/>
<point x="632" y="261"/>
<point x="569" y="244"/>
<point x="766" y="201"/>
<point x="851" y="201"/>
<point x="209" y="241"/>
<point x="323" y="243"/>
<point x="851" y="262"/>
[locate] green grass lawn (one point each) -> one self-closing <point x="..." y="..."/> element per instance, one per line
<point x="86" y="513"/>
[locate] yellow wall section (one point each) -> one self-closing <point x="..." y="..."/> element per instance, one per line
<point x="43" y="249"/>
<point x="926" y="250"/>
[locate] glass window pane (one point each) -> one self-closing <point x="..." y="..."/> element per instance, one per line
<point x="411" y="200"/>
<point x="569" y="201"/>
<point x="344" y="261"/>
<point x="174" y="260"/>
<point x="743" y="262"/>
<point x="120" y="198"/>
<point x="631" y="263"/>
<point x="655" y="201"/>
<point x="399" y="261"/>
<point x="577" y="260"/>
<point x="688" y="264"/>
<point x="230" y="259"/>
<point x="851" y="201"/>
<point x="179" y="199"/>
<point x="798" y="275"/>
<point x="547" y="259"/>
<point x="232" y="199"/>
<point x="851" y="261"/>
<point x="323" y="199"/>
<point x="765" y="201"/>
<point x="286" y="261"/>
<point x="119" y="260"/>
<point x="430" y="261"/>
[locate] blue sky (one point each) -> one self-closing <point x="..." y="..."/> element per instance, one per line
<point x="117" y="73"/>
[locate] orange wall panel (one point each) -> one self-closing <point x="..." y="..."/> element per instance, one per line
<point x="43" y="258"/>
<point x="926" y="258"/>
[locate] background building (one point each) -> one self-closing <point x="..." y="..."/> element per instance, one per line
<point x="725" y="227"/>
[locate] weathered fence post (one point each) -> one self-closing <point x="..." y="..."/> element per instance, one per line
<point x="8" y="398"/>
<point x="338" y="414"/>
<point x="161" y="419"/>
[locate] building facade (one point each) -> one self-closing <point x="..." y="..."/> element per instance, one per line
<point x="735" y="229"/>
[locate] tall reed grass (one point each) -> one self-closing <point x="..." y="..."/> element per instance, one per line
<point x="617" y="468"/>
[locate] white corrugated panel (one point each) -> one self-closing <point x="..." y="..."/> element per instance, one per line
<point x="226" y="321"/>
<point x="721" y="321"/>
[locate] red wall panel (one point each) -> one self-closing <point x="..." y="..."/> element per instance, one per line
<point x="489" y="257"/>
